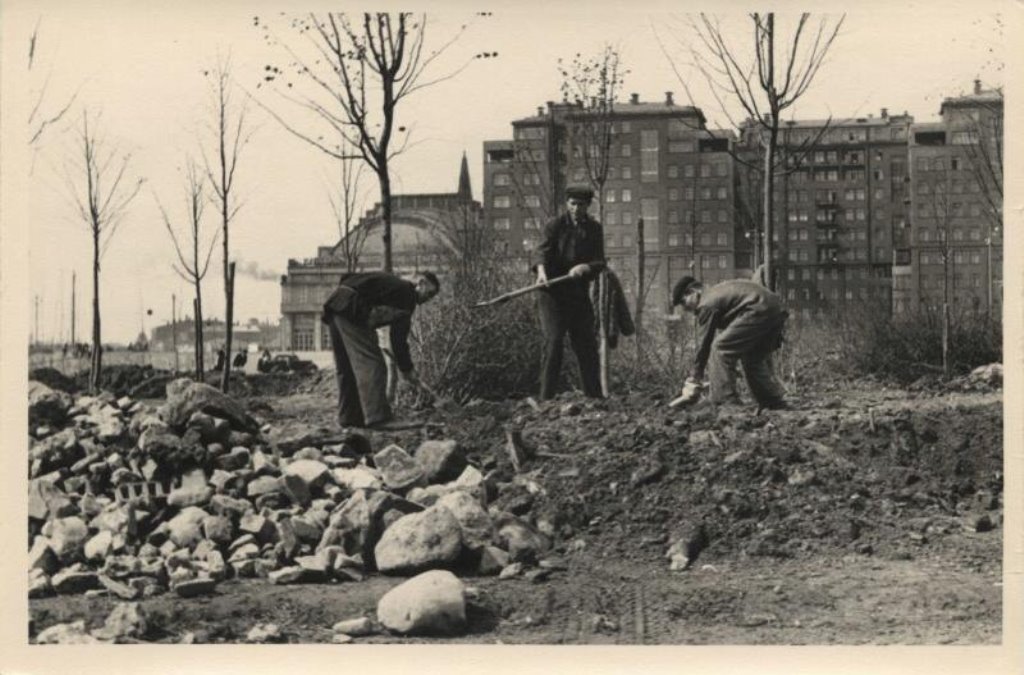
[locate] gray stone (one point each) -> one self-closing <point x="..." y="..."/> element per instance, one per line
<point x="400" y="471"/>
<point x="115" y="519"/>
<point x="46" y="405"/>
<point x="512" y="570"/>
<point x="358" y="627"/>
<point x="312" y="472"/>
<point x="238" y="458"/>
<point x="121" y="566"/>
<point x="358" y="478"/>
<point x="39" y="585"/>
<point x="264" y="632"/>
<point x="191" y="588"/>
<point x="59" y="450"/>
<point x="432" y="603"/>
<point x="308" y="453"/>
<point x="126" y="620"/>
<point x="296" y="574"/>
<point x="224" y="505"/>
<point x="440" y="461"/>
<point x="522" y="541"/>
<point x="41" y="556"/>
<point x="474" y="521"/>
<point x="46" y="500"/>
<point x="258" y="526"/>
<point x="186" y="397"/>
<point x="189" y="496"/>
<point x="297" y="489"/>
<point x="419" y="541"/>
<point x="66" y="634"/>
<point x="263" y="485"/>
<point x="121" y="590"/>
<point x="68" y="537"/>
<point x="72" y="581"/>
<point x="99" y="546"/>
<point x="244" y="552"/>
<point x="492" y="561"/>
<point x="263" y="465"/>
<point x="185" y="529"/>
<point x="218" y="529"/>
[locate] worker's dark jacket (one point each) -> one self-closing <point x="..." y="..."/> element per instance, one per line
<point x="617" y="317"/>
<point x="375" y="299"/>
<point x="566" y="245"/>
<point x="737" y="303"/>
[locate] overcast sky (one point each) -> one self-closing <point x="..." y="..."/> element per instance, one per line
<point x="142" y="66"/>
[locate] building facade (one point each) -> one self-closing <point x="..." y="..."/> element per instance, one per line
<point x="425" y="229"/>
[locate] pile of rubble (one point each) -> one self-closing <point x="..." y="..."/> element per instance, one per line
<point x="135" y="500"/>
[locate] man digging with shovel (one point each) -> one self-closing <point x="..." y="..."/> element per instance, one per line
<point x="363" y="302"/>
<point x="738" y="321"/>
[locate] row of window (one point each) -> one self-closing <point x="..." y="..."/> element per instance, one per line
<point x="956" y="186"/>
<point x="959" y="257"/>
<point x="928" y="209"/>
<point x="957" y="281"/>
<point x="940" y="163"/>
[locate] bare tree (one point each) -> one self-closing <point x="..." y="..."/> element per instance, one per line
<point x="346" y="205"/>
<point x="101" y="192"/>
<point x="761" y="84"/>
<point x="41" y="116"/>
<point x="361" y="69"/>
<point x="192" y="267"/>
<point x="231" y="133"/>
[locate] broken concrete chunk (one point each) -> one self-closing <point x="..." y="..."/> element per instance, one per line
<point x="440" y="461"/>
<point x="432" y="603"/>
<point x="419" y="541"/>
<point x="400" y="471"/>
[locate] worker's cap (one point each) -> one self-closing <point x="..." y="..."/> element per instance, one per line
<point x="579" y="192"/>
<point x="682" y="287"/>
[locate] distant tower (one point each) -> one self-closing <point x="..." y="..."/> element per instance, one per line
<point x="465" y="190"/>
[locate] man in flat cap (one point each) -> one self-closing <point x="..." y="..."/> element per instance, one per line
<point x="573" y="244"/>
<point x="738" y="321"/>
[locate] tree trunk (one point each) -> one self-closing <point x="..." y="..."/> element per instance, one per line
<point x="639" y="313"/>
<point x="603" y="319"/>
<point x="945" y="340"/>
<point x="229" y="319"/>
<point x="385" y="207"/>
<point x="97" y="345"/>
<point x="197" y="306"/>
<point x="769" y="205"/>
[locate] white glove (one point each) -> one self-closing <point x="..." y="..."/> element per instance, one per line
<point x="579" y="270"/>
<point x="542" y="275"/>
<point x="691" y="390"/>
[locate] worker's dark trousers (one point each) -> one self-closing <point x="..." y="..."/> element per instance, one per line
<point x="361" y="372"/>
<point x="562" y="310"/>
<point x="750" y="339"/>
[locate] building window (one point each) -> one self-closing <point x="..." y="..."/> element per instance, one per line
<point x="723" y="216"/>
<point x="688" y="193"/>
<point x="723" y="262"/>
<point x="532" y="201"/>
<point x="627" y="240"/>
<point x="627" y="173"/>
<point x="649" y="155"/>
<point x="673" y="217"/>
<point x="705" y="193"/>
<point x="705" y="170"/>
<point x="673" y="239"/>
<point x="502" y="224"/>
<point x="303" y="326"/>
<point x="612" y="218"/>
<point x="673" y="171"/>
<point x="688" y="170"/>
<point x="705" y="216"/>
<point x="723" y="193"/>
<point x="502" y="202"/>
<point x="722" y="239"/>
<point x="627" y="150"/>
<point x="673" y="194"/>
<point x="531" y="223"/>
<point x="649" y="212"/>
<point x="501" y="179"/>
<point x="627" y="195"/>
<point x="609" y="241"/>
<point x="609" y="196"/>
<point x="705" y="239"/>
<point x="627" y="218"/>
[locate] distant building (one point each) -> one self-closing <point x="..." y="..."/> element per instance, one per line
<point x="423" y="228"/>
<point x="259" y="334"/>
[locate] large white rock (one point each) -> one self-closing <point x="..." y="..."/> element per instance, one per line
<point x="66" y="634"/>
<point x="474" y="521"/>
<point x="433" y="603"/>
<point x="99" y="547"/>
<point x="68" y="537"/>
<point x="358" y="478"/>
<point x="312" y="472"/>
<point x="185" y="529"/>
<point x="419" y="541"/>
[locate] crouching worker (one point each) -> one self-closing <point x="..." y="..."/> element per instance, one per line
<point x="363" y="302"/>
<point x="738" y="321"/>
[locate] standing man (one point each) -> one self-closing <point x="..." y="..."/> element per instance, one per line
<point x="363" y="302"/>
<point x="573" y="244"/>
<point x="740" y="321"/>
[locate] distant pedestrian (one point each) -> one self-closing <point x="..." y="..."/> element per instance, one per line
<point x="240" y="359"/>
<point x="219" y="365"/>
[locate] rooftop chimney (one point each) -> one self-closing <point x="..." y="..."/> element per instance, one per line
<point x="977" y="86"/>
<point x="668" y="98"/>
<point x="634" y="98"/>
<point x="540" y="111"/>
<point x="885" y="113"/>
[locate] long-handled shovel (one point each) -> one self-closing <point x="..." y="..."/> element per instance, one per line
<point x="521" y="291"/>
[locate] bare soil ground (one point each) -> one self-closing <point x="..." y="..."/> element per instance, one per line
<point x="851" y="519"/>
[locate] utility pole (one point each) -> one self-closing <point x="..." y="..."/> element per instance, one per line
<point x="72" y="310"/>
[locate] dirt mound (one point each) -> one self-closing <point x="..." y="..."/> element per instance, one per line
<point x="54" y="379"/>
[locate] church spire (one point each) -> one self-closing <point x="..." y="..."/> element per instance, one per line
<point x="465" y="190"/>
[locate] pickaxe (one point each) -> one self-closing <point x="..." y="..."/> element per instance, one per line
<point x="522" y="291"/>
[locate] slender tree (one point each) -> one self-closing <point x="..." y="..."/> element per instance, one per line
<point x="361" y="69"/>
<point x="192" y="265"/>
<point x="98" y="184"/>
<point x="764" y="84"/>
<point x="42" y="115"/>
<point x="230" y="133"/>
<point x="346" y="199"/>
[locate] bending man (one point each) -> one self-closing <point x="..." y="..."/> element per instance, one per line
<point x="737" y="321"/>
<point x="363" y="302"/>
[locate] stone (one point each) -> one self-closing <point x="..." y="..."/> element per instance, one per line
<point x="115" y="519"/>
<point x="400" y="471"/>
<point x="46" y="500"/>
<point x="186" y="397"/>
<point x="109" y="429"/>
<point x="191" y="588"/>
<point x="440" y="461"/>
<point x="419" y="541"/>
<point x="492" y="561"/>
<point x="358" y="627"/>
<point x="522" y="541"/>
<point x="189" y="496"/>
<point x="72" y="581"/>
<point x="292" y="575"/>
<point x="159" y="443"/>
<point x="341" y="639"/>
<point x="287" y="538"/>
<point x="121" y="590"/>
<point x="215" y="565"/>
<point x="320" y="563"/>
<point x="218" y="529"/>
<point x="312" y="472"/>
<point x="432" y="603"/>
<point x="66" y="634"/>
<point x="263" y="465"/>
<point x="474" y="521"/>
<point x="99" y="547"/>
<point x="264" y="632"/>
<point x="126" y="620"/>
<point x="68" y="537"/>
<point x="308" y="453"/>
<point x="46" y="405"/>
<point x="41" y="556"/>
<point x="121" y="566"/>
<point x="982" y="523"/>
<point x="512" y="570"/>
<point x="238" y="458"/>
<point x="244" y="552"/>
<point x="258" y="526"/>
<point x="297" y="489"/>
<point x="185" y="529"/>
<point x="648" y="472"/>
<point x="358" y="478"/>
<point x="263" y="485"/>
<point x="39" y="585"/>
<point x="306" y="530"/>
<point x="223" y="505"/>
<point x="60" y="449"/>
